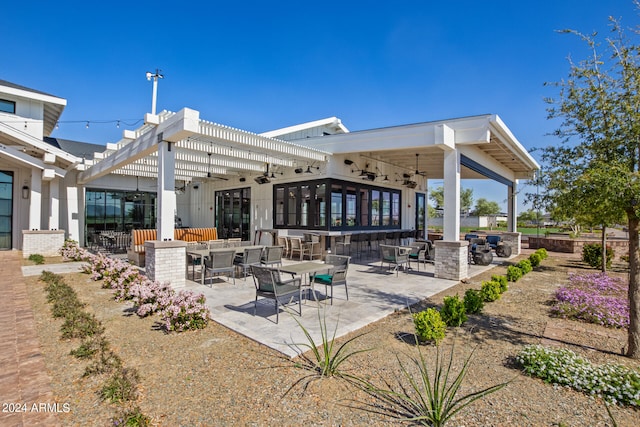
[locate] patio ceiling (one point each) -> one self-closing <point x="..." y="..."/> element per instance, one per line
<point x="213" y="151"/>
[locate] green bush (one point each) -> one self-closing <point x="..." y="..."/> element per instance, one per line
<point x="429" y="326"/>
<point x="592" y="255"/>
<point x="36" y="258"/>
<point x="90" y="346"/>
<point x="490" y="291"/>
<point x="543" y="253"/>
<point x="525" y="266"/>
<point x="132" y="418"/>
<point x="504" y="283"/>
<point x="513" y="273"/>
<point x="81" y="324"/>
<point x="121" y="387"/>
<point x="535" y="259"/>
<point x="473" y="302"/>
<point x="453" y="311"/>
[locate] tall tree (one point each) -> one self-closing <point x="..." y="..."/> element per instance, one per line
<point x="466" y="198"/>
<point x="486" y="207"/>
<point x="595" y="171"/>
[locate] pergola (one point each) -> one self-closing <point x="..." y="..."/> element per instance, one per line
<point x="181" y="146"/>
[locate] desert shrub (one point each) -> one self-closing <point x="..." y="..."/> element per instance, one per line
<point x="90" y="346"/>
<point x="66" y="305"/>
<point x="36" y="258"/>
<point x="105" y="361"/>
<point x="490" y="291"/>
<point x="535" y="259"/>
<point x="525" y="266"/>
<point x="592" y="255"/>
<point x="121" y="386"/>
<point x="543" y="253"/>
<point x="473" y="302"/>
<point x="616" y="384"/>
<point x="132" y="418"/>
<point x="513" y="273"/>
<point x="80" y="324"/>
<point x="453" y="312"/>
<point x="504" y="283"/>
<point x="429" y="325"/>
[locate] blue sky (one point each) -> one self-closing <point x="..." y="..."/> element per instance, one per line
<point x="265" y="65"/>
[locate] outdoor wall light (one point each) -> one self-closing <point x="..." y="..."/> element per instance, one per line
<point x="25" y="191"/>
<point x="298" y="170"/>
<point x="348" y="162"/>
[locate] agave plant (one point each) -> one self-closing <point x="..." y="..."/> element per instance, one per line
<point x="426" y="398"/>
<point x="324" y="359"/>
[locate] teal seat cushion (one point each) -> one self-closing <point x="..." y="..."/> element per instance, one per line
<point x="323" y="278"/>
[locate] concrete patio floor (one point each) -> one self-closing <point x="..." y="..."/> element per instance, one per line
<point x="374" y="293"/>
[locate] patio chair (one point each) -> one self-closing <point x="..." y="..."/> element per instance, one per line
<point x="194" y="261"/>
<point x="284" y="242"/>
<point x="300" y="248"/>
<point x="272" y="255"/>
<point x="498" y="245"/>
<point x="215" y="244"/>
<point x="343" y="242"/>
<point x="250" y="256"/>
<point x="337" y="276"/>
<point x="270" y="285"/>
<point x="394" y="255"/>
<point x="421" y="252"/>
<point x="219" y="262"/>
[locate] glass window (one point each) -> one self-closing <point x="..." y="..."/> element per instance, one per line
<point x="279" y="206"/>
<point x="7" y="106"/>
<point x="305" y="205"/>
<point x="364" y="207"/>
<point x="350" y="211"/>
<point x="320" y="219"/>
<point x="395" y="209"/>
<point x="336" y="205"/>
<point x="292" y="213"/>
<point x="386" y="209"/>
<point x="375" y="208"/>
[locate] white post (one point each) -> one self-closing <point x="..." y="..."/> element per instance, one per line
<point x="512" y="207"/>
<point x="451" y="220"/>
<point x="35" y="202"/>
<point x="54" y="204"/>
<point x="166" y="189"/>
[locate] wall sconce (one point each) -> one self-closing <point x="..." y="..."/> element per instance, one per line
<point x="25" y="191"/>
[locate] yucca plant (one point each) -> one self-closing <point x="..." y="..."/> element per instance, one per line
<point x="427" y="398"/>
<point x="325" y="359"/>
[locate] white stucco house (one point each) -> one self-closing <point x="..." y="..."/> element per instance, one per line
<point x="179" y="169"/>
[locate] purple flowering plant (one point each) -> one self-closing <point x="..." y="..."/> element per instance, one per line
<point x="595" y="298"/>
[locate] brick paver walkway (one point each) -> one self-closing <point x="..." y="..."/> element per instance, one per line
<point x="24" y="381"/>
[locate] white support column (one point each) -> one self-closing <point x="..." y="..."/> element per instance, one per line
<point x="451" y="220"/>
<point x="54" y="204"/>
<point x="512" y="207"/>
<point x="73" y="215"/>
<point x="166" y="189"/>
<point x="35" y="202"/>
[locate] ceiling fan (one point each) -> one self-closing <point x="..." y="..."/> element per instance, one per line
<point x="210" y="176"/>
<point x="417" y="171"/>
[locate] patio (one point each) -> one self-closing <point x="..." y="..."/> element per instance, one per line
<point x="374" y="293"/>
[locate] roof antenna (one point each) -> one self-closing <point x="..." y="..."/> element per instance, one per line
<point x="154" y="97"/>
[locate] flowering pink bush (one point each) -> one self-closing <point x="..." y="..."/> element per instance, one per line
<point x="180" y="311"/>
<point x="595" y="298"/>
<point x="186" y="311"/>
<point x="150" y="296"/>
<point x="71" y="251"/>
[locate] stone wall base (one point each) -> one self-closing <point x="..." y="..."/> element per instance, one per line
<point x="42" y="242"/>
<point x="452" y="259"/>
<point x="166" y="262"/>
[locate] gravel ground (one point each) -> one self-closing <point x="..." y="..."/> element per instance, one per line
<point x="215" y="377"/>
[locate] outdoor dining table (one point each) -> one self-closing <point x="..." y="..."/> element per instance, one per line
<point x="202" y="253"/>
<point x="305" y="269"/>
